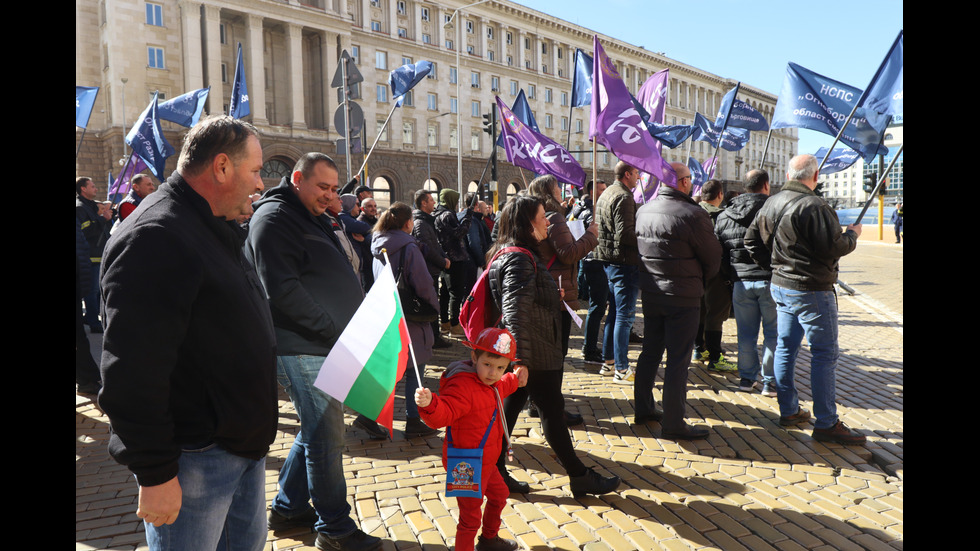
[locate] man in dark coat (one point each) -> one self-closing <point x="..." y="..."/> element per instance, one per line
<point x="678" y="252"/>
<point x="424" y="230"/>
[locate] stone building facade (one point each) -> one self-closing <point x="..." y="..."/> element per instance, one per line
<point x="291" y="48"/>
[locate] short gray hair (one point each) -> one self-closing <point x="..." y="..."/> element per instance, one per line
<point x="802" y="168"/>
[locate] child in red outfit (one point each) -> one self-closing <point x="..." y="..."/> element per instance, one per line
<point x="469" y="394"/>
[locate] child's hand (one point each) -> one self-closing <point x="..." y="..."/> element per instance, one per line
<point x="423" y="397"/>
<point x="521" y="373"/>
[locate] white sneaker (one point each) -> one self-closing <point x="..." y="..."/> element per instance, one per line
<point x="624" y="377"/>
<point x="607" y="370"/>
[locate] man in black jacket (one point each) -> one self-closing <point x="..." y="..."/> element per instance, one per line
<point x="94" y="219"/>
<point x="751" y="300"/>
<point x="424" y="230"/>
<point x="188" y="367"/>
<point x="678" y="252"/>
<point x="313" y="293"/>
<point x="461" y="274"/>
<point x="799" y="235"/>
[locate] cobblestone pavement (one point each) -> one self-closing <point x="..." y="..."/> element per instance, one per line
<point x="751" y="485"/>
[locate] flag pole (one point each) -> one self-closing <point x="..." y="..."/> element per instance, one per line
<point x="385" y="125"/>
<point x="881" y="182"/>
<point x="765" y="150"/>
<point x="411" y="349"/>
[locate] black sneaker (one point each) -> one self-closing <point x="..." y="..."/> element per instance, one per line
<point x="514" y="485"/>
<point x="495" y="544"/>
<point x="839" y="433"/>
<point x="416" y="427"/>
<point x="592" y="483"/>
<point x="635" y="337"/>
<point x="278" y="523"/>
<point x="593" y="357"/>
<point x="356" y="541"/>
<point x="440" y="342"/>
<point x="374" y="430"/>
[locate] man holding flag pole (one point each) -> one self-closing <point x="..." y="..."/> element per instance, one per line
<point x="313" y="293"/>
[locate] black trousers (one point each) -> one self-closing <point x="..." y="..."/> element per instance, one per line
<point x="544" y="389"/>
<point x="670" y="329"/>
<point x="457" y="282"/>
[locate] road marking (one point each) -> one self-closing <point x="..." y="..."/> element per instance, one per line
<point x="879" y="311"/>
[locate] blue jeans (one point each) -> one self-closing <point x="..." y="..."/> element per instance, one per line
<point x="753" y="306"/>
<point x="814" y="314"/>
<point x="623" y="281"/>
<point x="314" y="469"/>
<point x="595" y="275"/>
<point x="222" y="506"/>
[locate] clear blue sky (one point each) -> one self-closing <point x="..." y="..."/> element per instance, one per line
<point x="750" y="40"/>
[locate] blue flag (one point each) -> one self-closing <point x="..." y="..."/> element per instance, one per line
<point x="840" y="159"/>
<point x="406" y="77"/>
<point x="522" y="110"/>
<point x="733" y="139"/>
<point x="84" y="101"/>
<point x="185" y="109"/>
<point x="815" y="102"/>
<point x="698" y="175"/>
<point x="745" y="116"/>
<point x="239" y="91"/>
<point x="582" y="79"/>
<point x="887" y="89"/>
<point x="146" y="139"/>
<point x="671" y="135"/>
<point x="725" y="109"/>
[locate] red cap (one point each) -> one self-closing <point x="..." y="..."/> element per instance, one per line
<point x="496" y="341"/>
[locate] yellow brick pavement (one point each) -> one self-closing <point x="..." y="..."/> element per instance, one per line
<point x="752" y="485"/>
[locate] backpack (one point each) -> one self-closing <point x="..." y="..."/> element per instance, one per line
<point x="479" y="310"/>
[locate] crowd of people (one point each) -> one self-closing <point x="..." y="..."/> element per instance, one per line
<point x="256" y="291"/>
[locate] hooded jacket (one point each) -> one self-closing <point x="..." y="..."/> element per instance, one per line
<point x="466" y="404"/>
<point x="425" y="234"/>
<point x="730" y="227"/>
<point x="312" y="289"/>
<point x="416" y="274"/>
<point x="450" y="228"/>
<point x="799" y="236"/>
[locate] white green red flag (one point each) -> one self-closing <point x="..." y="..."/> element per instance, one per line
<point x="371" y="354"/>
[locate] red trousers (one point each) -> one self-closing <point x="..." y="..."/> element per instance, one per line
<point x="496" y="492"/>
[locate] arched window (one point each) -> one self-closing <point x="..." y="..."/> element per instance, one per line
<point x="431" y="185"/>
<point x="382" y="192"/>
<point x="273" y="171"/>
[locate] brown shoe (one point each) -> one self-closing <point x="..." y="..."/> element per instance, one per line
<point x="839" y="433"/>
<point x="800" y="416"/>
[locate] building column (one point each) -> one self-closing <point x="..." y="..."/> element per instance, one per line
<point x="212" y="56"/>
<point x="255" y="67"/>
<point x="190" y="24"/>
<point x="294" y="55"/>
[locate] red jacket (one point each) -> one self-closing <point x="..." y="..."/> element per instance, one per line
<point x="467" y="404"/>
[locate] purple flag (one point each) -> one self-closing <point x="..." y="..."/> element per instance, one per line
<point x="528" y="149"/>
<point x="134" y="166"/>
<point x="653" y="96"/>
<point x="616" y="124"/>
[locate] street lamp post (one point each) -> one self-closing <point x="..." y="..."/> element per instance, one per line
<point x="459" y="111"/>
<point x="428" y="161"/>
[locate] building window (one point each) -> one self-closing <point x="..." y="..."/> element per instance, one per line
<point x="513" y="87"/>
<point x="223" y="36"/>
<point x="490" y="33"/>
<point x="474" y="108"/>
<point x="564" y="98"/>
<point x="449" y="45"/>
<point x="453" y="105"/>
<point x="433" y="136"/>
<point x="544" y="68"/>
<point x="578" y="125"/>
<point x="406" y="60"/>
<point x="425" y="14"/>
<point x="355" y="54"/>
<point x="381" y="60"/>
<point x="475" y="79"/>
<point x="402" y="32"/>
<point x="154" y="14"/>
<point x="426" y="39"/>
<point x="382" y="130"/>
<point x="433" y="74"/>
<point x="475" y="140"/>
<point x="469" y="27"/>
<point x="510" y="38"/>
<point x="564" y="123"/>
<point x="154" y="58"/>
<point x="376" y="26"/>
<point x="452" y="75"/>
<point x="401" y="7"/>
<point x="469" y="49"/>
<point x="382" y="93"/>
<point x="432" y="102"/>
<point x="495" y="84"/>
<point x="409" y="100"/>
<point x="453" y="138"/>
<point x="547" y="120"/>
<point x="224" y="72"/>
<point x="527" y="43"/>
<point x="547" y="95"/>
<point x="559" y="53"/>
<point x="510" y="61"/>
<point x="530" y="91"/>
<point x="408" y="133"/>
<point x="490" y="55"/>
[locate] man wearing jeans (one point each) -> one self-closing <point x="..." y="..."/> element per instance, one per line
<point x="188" y="366"/>
<point x="313" y="293"/>
<point x="615" y="214"/>
<point x="799" y="235"/>
<point x="750" y="285"/>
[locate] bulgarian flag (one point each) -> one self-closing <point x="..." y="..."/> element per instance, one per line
<point x="371" y="354"/>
